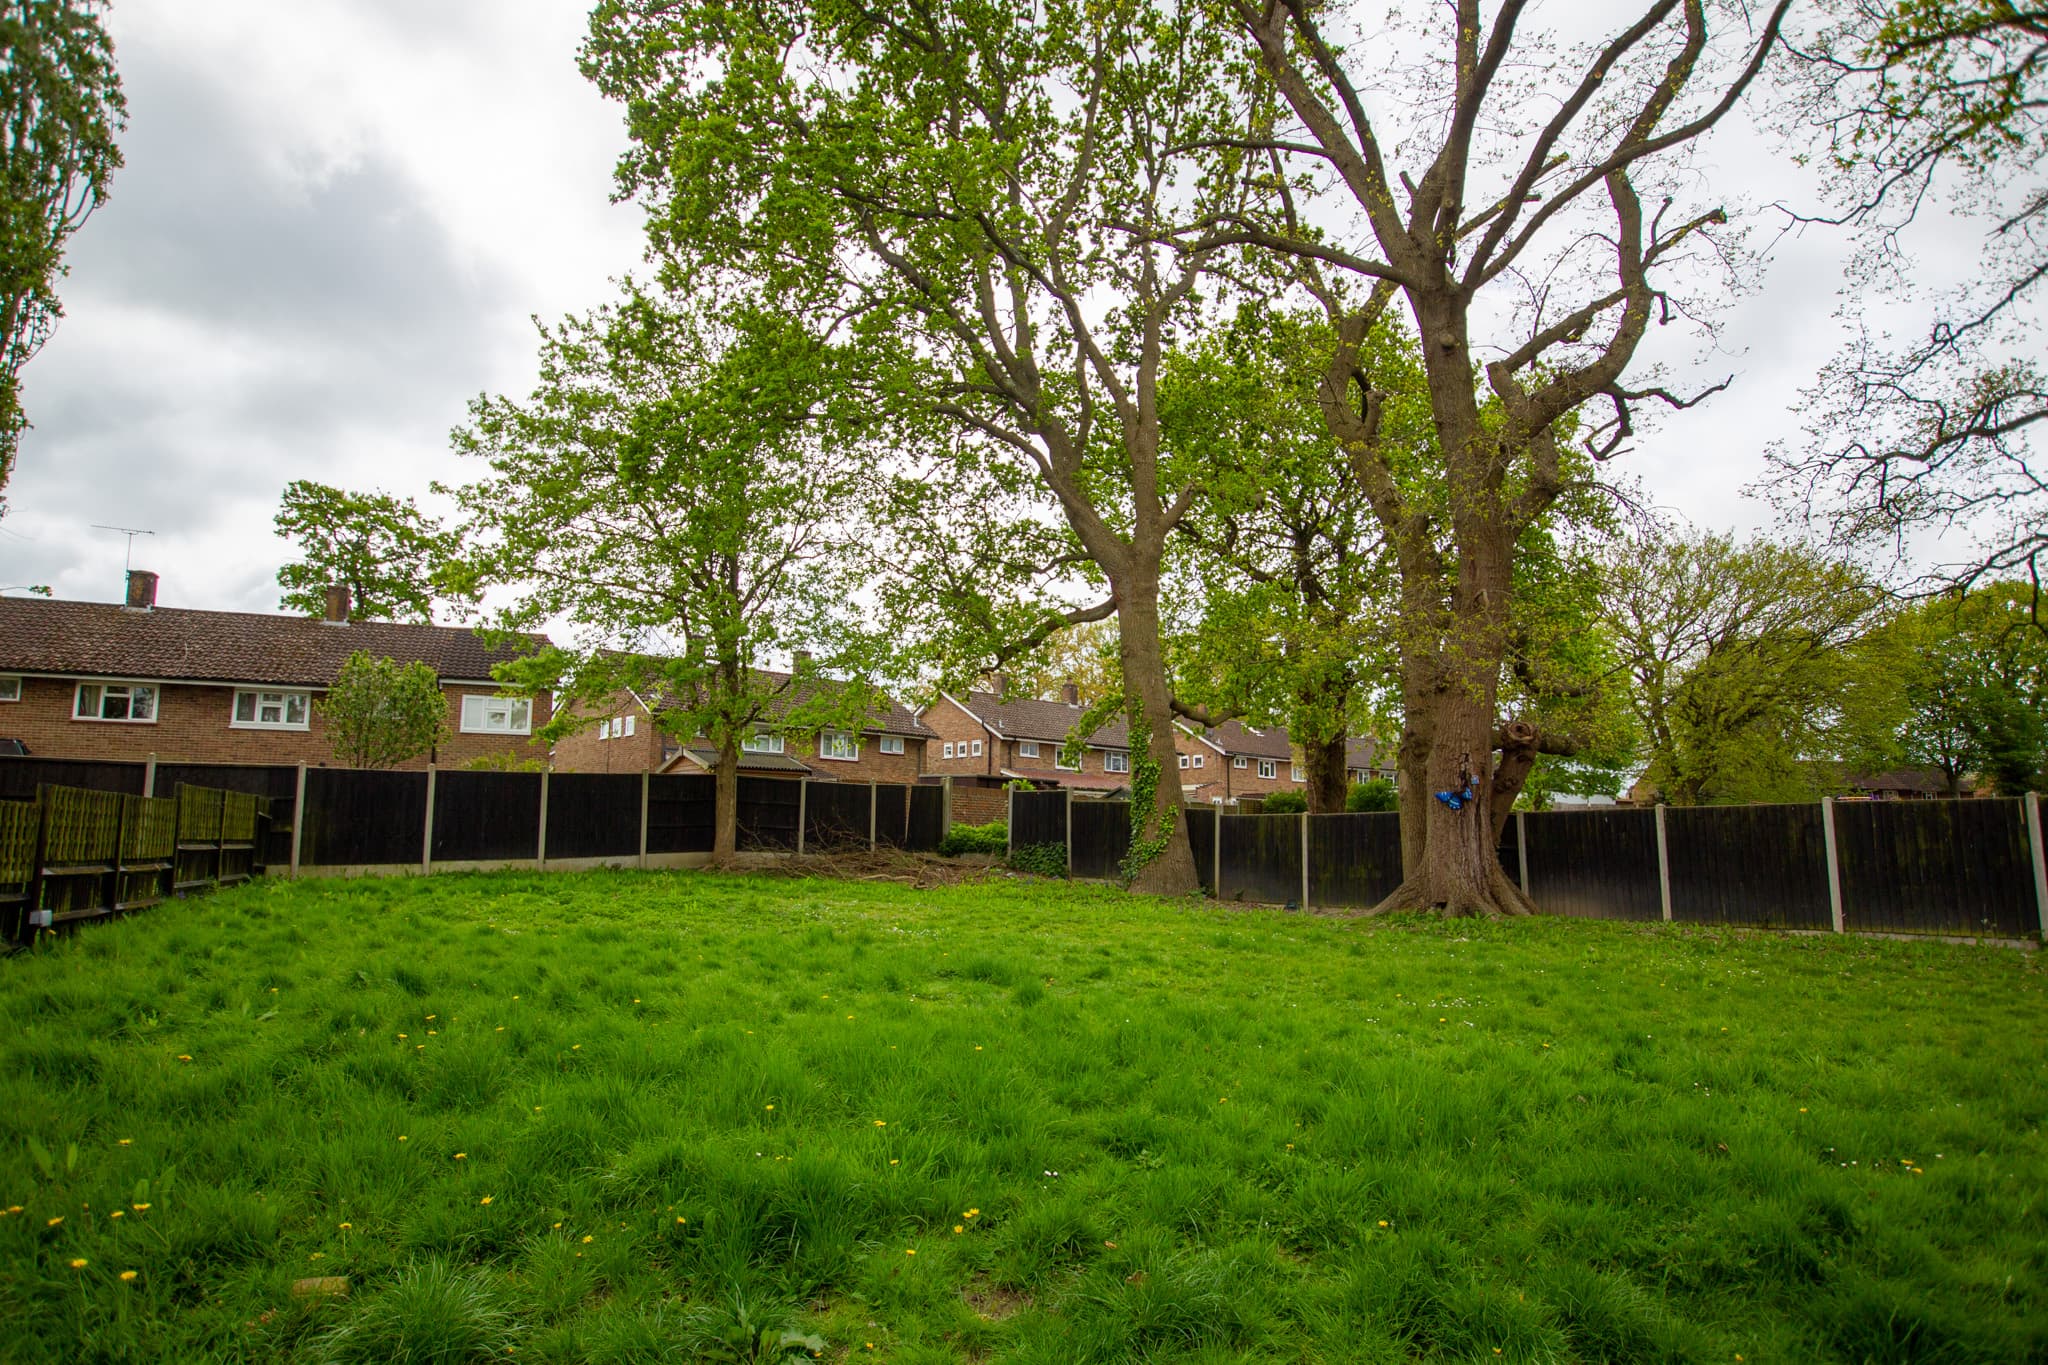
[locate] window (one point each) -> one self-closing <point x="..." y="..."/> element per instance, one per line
<point x="1183" y="760"/>
<point x="496" y="716"/>
<point x="761" y="742"/>
<point x="842" y="745"/>
<point x="892" y="744"/>
<point x="1027" y="748"/>
<point x="629" y="726"/>
<point x="1114" y="762"/>
<point x="134" y="702"/>
<point x="1239" y="762"/>
<point x="1197" y="761"/>
<point x="10" y="687"/>
<point x="949" y="748"/>
<point x="1269" y="767"/>
<point x="977" y="748"/>
<point x="1059" y="760"/>
<point x="1299" y="775"/>
<point x="270" y="710"/>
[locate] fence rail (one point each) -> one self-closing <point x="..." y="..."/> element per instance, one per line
<point x="1971" y="868"/>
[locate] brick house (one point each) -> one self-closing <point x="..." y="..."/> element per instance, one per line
<point x="1363" y="761"/>
<point x="626" y="737"/>
<point x="998" y="738"/>
<point x="123" y="681"/>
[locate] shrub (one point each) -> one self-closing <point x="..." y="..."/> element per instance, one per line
<point x="1044" y="860"/>
<point x="993" y="837"/>
<point x="1284" y="803"/>
<point x="1378" y="794"/>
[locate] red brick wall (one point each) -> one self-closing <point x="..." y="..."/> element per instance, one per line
<point x="584" y="752"/>
<point x="948" y="722"/>
<point x="872" y="766"/>
<point x="978" y="805"/>
<point x="192" y="726"/>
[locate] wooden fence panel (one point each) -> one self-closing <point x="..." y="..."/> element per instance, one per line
<point x="21" y="824"/>
<point x="488" y="817"/>
<point x="1261" y="859"/>
<point x="1757" y="865"/>
<point x="1038" y="818"/>
<point x="19" y="776"/>
<point x="892" y="814"/>
<point x="836" y="816"/>
<point x="1594" y="864"/>
<point x="359" y="817"/>
<point x="768" y="814"/>
<point x="81" y="841"/>
<point x="199" y="836"/>
<point x="276" y="783"/>
<point x="927" y="819"/>
<point x="681" y="812"/>
<point x="1202" y="843"/>
<point x="149" y="850"/>
<point x="1941" y="867"/>
<point x="1102" y="838"/>
<point x="596" y="815"/>
<point x="1354" y="859"/>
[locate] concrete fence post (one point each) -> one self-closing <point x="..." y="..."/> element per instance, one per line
<point x="873" y="791"/>
<point x="540" y="841"/>
<point x="803" y="807"/>
<point x="1009" y="819"/>
<point x="946" y="823"/>
<point x="646" y="782"/>
<point x="1069" y="793"/>
<point x="2034" y="842"/>
<point x="1522" y="850"/>
<point x="1304" y="861"/>
<point x="149" y="774"/>
<point x="427" y="831"/>
<point x="298" y="819"/>
<point x="1827" y="835"/>
<point x="1663" y="864"/>
<point x="1216" y="856"/>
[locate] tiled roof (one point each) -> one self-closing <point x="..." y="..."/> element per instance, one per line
<point x="1030" y="718"/>
<point x="102" y="639"/>
<point x="1235" y="737"/>
<point x="706" y="757"/>
<point x="887" y="717"/>
<point x="1362" y="752"/>
<point x="1097" y="782"/>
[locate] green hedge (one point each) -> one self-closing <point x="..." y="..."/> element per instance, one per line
<point x="993" y="837"/>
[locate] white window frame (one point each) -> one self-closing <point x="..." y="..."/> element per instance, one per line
<point x="1299" y="773"/>
<point x="10" y="687"/>
<point x="761" y="742"/>
<point x="480" y="709"/>
<point x="1183" y="762"/>
<point x="629" y="727"/>
<point x="102" y="687"/>
<point x="977" y="749"/>
<point x="844" y="741"/>
<point x="1116" y="761"/>
<point x="268" y="696"/>
<point x="1240" y="762"/>
<point x="1269" y="767"/>
<point x="948" y="751"/>
<point x="891" y="744"/>
<point x="1027" y="748"/>
<point x="1197" y="761"/>
<point x="1060" y="763"/>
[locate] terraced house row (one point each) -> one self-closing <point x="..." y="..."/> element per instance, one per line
<point x="93" y="680"/>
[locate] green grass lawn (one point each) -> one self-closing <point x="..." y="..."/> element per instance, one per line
<point x="647" y="1116"/>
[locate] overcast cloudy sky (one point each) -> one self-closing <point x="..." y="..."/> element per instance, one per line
<point x="336" y="219"/>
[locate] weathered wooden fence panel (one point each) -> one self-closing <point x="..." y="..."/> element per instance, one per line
<point x="486" y="817"/>
<point x="836" y="816"/>
<point x="361" y="818"/>
<point x="596" y="815"/>
<point x="1594" y="864"/>
<point x="927" y="824"/>
<point x="1354" y="859"/>
<point x="19" y="776"/>
<point x="276" y="784"/>
<point x="1755" y="865"/>
<point x="1102" y="838"/>
<point x="1950" y="867"/>
<point x="1261" y="859"/>
<point x="768" y="814"/>
<point x="892" y="815"/>
<point x="1038" y="818"/>
<point x="682" y="812"/>
<point x="1202" y="843"/>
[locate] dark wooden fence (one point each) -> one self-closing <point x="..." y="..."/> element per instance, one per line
<point x="1940" y="867"/>
<point x="78" y="853"/>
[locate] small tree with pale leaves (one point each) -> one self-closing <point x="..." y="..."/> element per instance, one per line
<point x="379" y="713"/>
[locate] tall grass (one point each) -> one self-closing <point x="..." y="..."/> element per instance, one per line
<point x="640" y="1117"/>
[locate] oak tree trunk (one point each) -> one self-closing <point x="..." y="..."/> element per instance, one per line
<point x="1324" y="761"/>
<point x="725" y="822"/>
<point x="1149" y="710"/>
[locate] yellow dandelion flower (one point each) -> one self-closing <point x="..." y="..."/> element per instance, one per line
<point x="770" y="1106"/>
<point x="124" y="1142"/>
<point x="558" y="1227"/>
<point x="485" y="1200"/>
<point x="127" y="1277"/>
<point x="588" y="1238"/>
<point x="974" y="1213"/>
<point x="575" y="1047"/>
<point x="140" y="1208"/>
<point x="401" y="1137"/>
<point x="184" y="1056"/>
<point x="957" y="1228"/>
<point x="317" y="1256"/>
<point x="405" y="1035"/>
<point x="1383" y="1222"/>
<point x="879" y="1123"/>
<point x="910" y="1251"/>
<point x="346" y="1226"/>
<point x="892" y="1161"/>
<point x="682" y="1220"/>
<point x="117" y="1213"/>
<point x="462" y="1156"/>
<point x="432" y="1017"/>
<point x="78" y="1263"/>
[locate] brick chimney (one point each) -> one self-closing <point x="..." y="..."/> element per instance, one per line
<point x="1070" y="694"/>
<point x="141" y="590"/>
<point x="336" y="613"/>
<point x="1001" y="683"/>
<point x="800" y="661"/>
